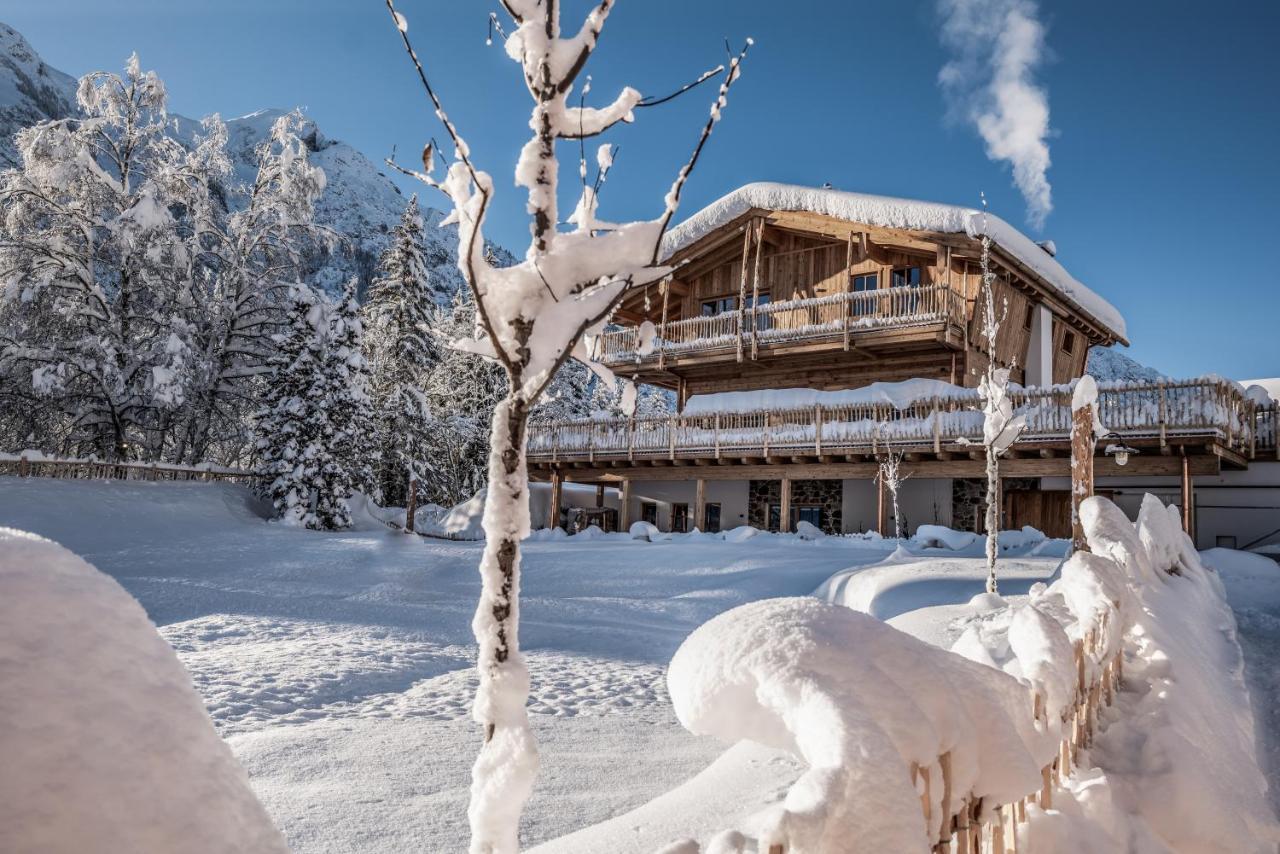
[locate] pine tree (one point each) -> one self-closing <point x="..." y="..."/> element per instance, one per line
<point x="291" y="424"/>
<point x="349" y="450"/>
<point x="401" y="352"/>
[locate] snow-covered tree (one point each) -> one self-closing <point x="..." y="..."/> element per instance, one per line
<point x="1000" y="427"/>
<point x="462" y="390"/>
<point x="293" y="425"/>
<point x="353" y="444"/>
<point x="533" y="317"/>
<point x="402" y="352"/>
<point x="891" y="476"/>
<point x="91" y="255"/>
<point x="250" y="258"/>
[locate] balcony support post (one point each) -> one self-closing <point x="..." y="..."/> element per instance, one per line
<point x="1188" y="497"/>
<point x="665" y="287"/>
<point x="848" y="291"/>
<point x="882" y="508"/>
<point x="742" y="288"/>
<point x="700" y="504"/>
<point x="557" y="485"/>
<point x="755" y="290"/>
<point x="624" y="506"/>
<point x="784" y="505"/>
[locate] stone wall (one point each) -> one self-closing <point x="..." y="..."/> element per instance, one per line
<point x="969" y="500"/>
<point x="825" y="494"/>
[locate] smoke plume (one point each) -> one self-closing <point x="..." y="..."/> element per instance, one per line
<point x="990" y="83"/>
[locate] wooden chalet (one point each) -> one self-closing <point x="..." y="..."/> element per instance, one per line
<point x="782" y="288"/>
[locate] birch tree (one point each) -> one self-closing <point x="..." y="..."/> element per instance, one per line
<point x="533" y="316"/>
<point x="1000" y="427"/>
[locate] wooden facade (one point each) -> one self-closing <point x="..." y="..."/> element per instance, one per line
<point x="812" y="301"/>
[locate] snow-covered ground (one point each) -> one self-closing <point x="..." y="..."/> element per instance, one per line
<point x="339" y="666"/>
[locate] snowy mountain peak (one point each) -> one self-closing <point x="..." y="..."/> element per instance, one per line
<point x="360" y="202"/>
<point x="30" y="90"/>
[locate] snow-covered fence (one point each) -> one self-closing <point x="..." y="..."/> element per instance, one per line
<point x="34" y="464"/>
<point x="912" y="747"/>
<point x="1171" y="409"/>
<point x="807" y="319"/>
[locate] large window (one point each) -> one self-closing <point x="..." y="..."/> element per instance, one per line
<point x="723" y="305"/>
<point x="905" y="277"/>
<point x="866" y="283"/>
<point x="713" y="518"/>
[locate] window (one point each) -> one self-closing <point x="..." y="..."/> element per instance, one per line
<point x="1069" y="343"/>
<point x="680" y="518"/>
<point x="649" y="512"/>
<point x="1029" y="319"/>
<point x="867" y="283"/>
<point x="763" y="300"/>
<point x="808" y="513"/>
<point x="713" y="518"/>
<point x="811" y="513"/>
<point x="905" y="277"/>
<point x="724" y="305"/>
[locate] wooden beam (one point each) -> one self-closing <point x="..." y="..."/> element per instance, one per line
<point x="1188" y="497"/>
<point x="624" y="507"/>
<point x="700" y="504"/>
<point x="1141" y="466"/>
<point x="784" y="508"/>
<point x="557" y="485"/>
<point x="882" y="507"/>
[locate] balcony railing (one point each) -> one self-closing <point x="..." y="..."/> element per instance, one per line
<point x="801" y="320"/>
<point x="1210" y="409"/>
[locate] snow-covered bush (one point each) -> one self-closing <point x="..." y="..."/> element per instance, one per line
<point x="1007" y="711"/>
<point x="940" y="536"/>
<point x="106" y="744"/>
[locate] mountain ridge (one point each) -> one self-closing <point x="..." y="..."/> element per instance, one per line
<point x="359" y="202"/>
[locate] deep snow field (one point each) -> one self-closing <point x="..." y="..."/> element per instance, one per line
<point x="338" y="666"/>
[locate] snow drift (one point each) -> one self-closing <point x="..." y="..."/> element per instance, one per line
<point x="1014" y="708"/>
<point x="106" y="745"/>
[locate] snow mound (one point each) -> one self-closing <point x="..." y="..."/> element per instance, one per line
<point x="940" y="536"/>
<point x="864" y="705"/>
<point x="740" y="534"/>
<point x="889" y="212"/>
<point x="800" y="675"/>
<point x="645" y="531"/>
<point x="808" y="531"/>
<point x="106" y="745"/>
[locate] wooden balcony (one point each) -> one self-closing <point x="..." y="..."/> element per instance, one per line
<point x="1161" y="419"/>
<point x="839" y="318"/>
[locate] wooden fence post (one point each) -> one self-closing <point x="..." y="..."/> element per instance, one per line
<point x="1081" y="470"/>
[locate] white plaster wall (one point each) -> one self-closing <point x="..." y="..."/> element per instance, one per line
<point x="1240" y="504"/>
<point x="731" y="495"/>
<point x="921" y="501"/>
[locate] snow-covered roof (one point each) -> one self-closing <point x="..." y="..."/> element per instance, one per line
<point x="889" y="212"/>
<point x="1272" y="386"/>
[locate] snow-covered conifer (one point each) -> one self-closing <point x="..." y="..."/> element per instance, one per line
<point x="292" y="424"/>
<point x="402" y="352"/>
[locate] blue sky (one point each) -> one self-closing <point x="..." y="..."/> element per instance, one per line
<point x="1165" y="115"/>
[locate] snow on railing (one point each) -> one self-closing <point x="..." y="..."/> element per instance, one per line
<point x="1267" y="421"/>
<point x="36" y="464"/>
<point x="912" y="747"/>
<point x="1206" y="407"/>
<point x="806" y="319"/>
